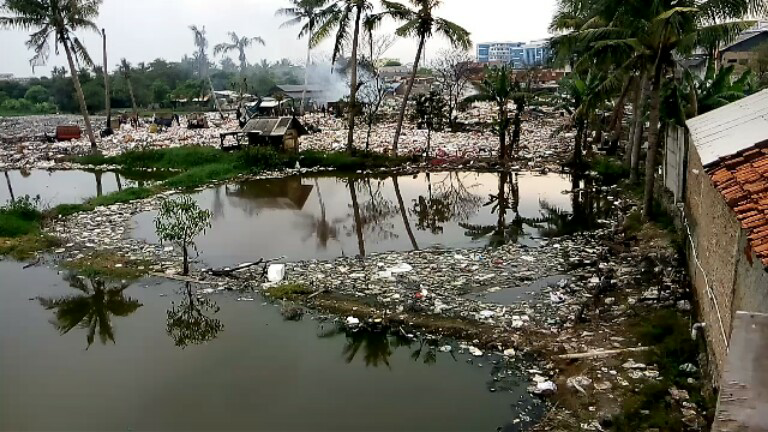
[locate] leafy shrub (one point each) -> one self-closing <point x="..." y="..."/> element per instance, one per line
<point x="260" y="159"/>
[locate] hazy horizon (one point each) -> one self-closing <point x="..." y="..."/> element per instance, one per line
<point x="161" y="30"/>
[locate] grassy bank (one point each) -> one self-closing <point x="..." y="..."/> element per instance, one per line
<point x="198" y="165"/>
<point x="20" y="229"/>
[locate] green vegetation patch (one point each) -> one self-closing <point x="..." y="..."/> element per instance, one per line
<point x="119" y="197"/>
<point x="178" y="158"/>
<point x="667" y="332"/>
<point x="108" y="266"/>
<point x="288" y="291"/>
<point x="20" y="217"/>
<point x="26" y="246"/>
<point x="201" y="175"/>
<point x="610" y="170"/>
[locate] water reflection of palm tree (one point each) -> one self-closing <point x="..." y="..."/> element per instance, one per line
<point x="10" y="187"/>
<point x="372" y="215"/>
<point x="586" y="209"/>
<point x="92" y="309"/>
<point x="453" y="201"/>
<point x="188" y="323"/>
<point x="218" y="204"/>
<point x="99" y="187"/>
<point x="507" y="198"/>
<point x="404" y="213"/>
<point x="321" y="227"/>
<point x="377" y="345"/>
<point x="358" y="219"/>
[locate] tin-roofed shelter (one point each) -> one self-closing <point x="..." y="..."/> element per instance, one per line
<point x="725" y="175"/>
<point x="280" y="133"/>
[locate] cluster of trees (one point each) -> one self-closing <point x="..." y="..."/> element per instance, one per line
<point x="630" y="52"/>
<point x="57" y="21"/>
<point x="348" y="21"/>
<point x="153" y="84"/>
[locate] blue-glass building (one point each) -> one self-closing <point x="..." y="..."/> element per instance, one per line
<point x="517" y="54"/>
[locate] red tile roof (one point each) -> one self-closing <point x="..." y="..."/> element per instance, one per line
<point x="742" y="179"/>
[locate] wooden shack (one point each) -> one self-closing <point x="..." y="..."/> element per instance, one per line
<point x="279" y="133"/>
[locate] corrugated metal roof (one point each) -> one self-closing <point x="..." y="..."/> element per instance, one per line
<point x="274" y="126"/>
<point x="730" y="129"/>
<point x="291" y="88"/>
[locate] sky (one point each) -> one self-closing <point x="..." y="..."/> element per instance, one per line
<point x="142" y="30"/>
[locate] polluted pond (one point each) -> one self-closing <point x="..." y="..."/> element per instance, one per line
<point x="326" y="217"/>
<point x="56" y="187"/>
<point x="165" y="355"/>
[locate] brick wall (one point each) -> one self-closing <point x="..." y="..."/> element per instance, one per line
<point x="716" y="235"/>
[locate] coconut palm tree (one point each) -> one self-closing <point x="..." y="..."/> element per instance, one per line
<point x="125" y="70"/>
<point x="342" y="17"/>
<point x="422" y="24"/>
<point x="59" y="19"/>
<point x="310" y="13"/>
<point x="107" y="96"/>
<point x="90" y="309"/>
<point x="581" y="98"/>
<point x="201" y="53"/>
<point x="652" y="36"/>
<point x="239" y="44"/>
<point x="500" y="87"/>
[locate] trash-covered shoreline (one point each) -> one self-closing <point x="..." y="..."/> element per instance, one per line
<point x="603" y="278"/>
<point x="23" y="142"/>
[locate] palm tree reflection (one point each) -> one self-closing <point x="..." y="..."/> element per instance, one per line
<point x="452" y="201"/>
<point x="91" y="309"/>
<point x="320" y="227"/>
<point x="507" y="198"/>
<point x="377" y="345"/>
<point x="189" y="323"/>
<point x="587" y="208"/>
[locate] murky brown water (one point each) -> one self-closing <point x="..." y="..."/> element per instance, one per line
<point x="85" y="357"/>
<point x="326" y="217"/>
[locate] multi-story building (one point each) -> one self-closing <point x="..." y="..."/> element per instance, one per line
<point x="517" y="54"/>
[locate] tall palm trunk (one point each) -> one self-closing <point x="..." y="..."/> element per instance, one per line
<point x="579" y="144"/>
<point x="501" y="222"/>
<point x="107" y="98"/>
<point x="133" y="99"/>
<point x="637" y="136"/>
<point x="358" y="219"/>
<point x="80" y="95"/>
<point x="306" y="74"/>
<point x="215" y="99"/>
<point x="10" y="187"/>
<point x="516" y="130"/>
<point x="503" y="132"/>
<point x="404" y="214"/>
<point x="653" y="141"/>
<point x="617" y="118"/>
<point x="353" y="84"/>
<point x="407" y="95"/>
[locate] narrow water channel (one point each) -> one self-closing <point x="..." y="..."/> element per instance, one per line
<point x="79" y="355"/>
<point x="324" y="217"/>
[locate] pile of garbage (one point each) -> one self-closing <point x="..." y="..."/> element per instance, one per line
<point x="23" y="142"/>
